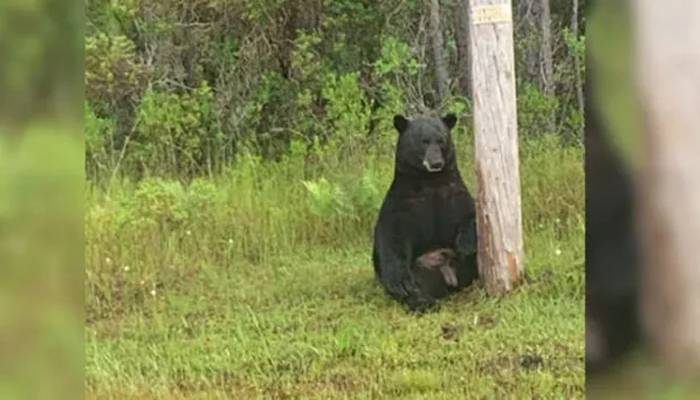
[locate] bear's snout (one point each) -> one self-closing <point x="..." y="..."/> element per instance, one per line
<point x="433" y="161"/>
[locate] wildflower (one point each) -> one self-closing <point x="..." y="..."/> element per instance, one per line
<point x="557" y="252"/>
<point x="108" y="260"/>
<point x="230" y="241"/>
<point x="126" y="268"/>
<point x="153" y="292"/>
<point x="188" y="232"/>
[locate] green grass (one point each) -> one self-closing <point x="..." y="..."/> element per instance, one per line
<point x="234" y="287"/>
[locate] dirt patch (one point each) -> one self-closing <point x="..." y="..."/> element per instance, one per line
<point x="531" y="360"/>
<point x="451" y="331"/>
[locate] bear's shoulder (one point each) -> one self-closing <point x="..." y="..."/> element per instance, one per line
<point x="411" y="186"/>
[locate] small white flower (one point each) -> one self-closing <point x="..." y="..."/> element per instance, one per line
<point x="230" y="241"/>
<point x="126" y="268"/>
<point x="557" y="220"/>
<point x="188" y="232"/>
<point x="557" y="252"/>
<point x="108" y="260"/>
<point x="153" y="292"/>
<point x="142" y="282"/>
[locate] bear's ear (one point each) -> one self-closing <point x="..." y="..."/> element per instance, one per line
<point x="400" y="123"/>
<point x="449" y="120"/>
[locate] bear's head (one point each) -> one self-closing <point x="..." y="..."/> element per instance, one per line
<point x="425" y="144"/>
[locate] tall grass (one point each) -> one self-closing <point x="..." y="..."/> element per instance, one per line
<point x="257" y="211"/>
<point x="285" y="245"/>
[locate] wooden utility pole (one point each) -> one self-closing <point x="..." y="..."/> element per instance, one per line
<point x="499" y="226"/>
<point x="668" y="40"/>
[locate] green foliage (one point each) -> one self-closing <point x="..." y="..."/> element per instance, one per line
<point x="556" y="193"/>
<point x="99" y="140"/>
<point x="305" y="57"/>
<point x="577" y="48"/>
<point x="355" y="198"/>
<point x="186" y="89"/>
<point x="176" y="132"/>
<point x="202" y="195"/>
<point x="113" y="71"/>
<point x="572" y="73"/>
<point x="347" y="112"/>
<point x="328" y="199"/>
<point x="257" y="11"/>
<point x="367" y="195"/>
<point x="352" y="30"/>
<point x="560" y="109"/>
<point x="396" y="58"/>
<point x="156" y="202"/>
<point x="395" y="66"/>
<point x="534" y="111"/>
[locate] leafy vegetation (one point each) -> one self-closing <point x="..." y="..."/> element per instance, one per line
<point x="178" y="89"/>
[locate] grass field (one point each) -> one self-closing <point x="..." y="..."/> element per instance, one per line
<point x="246" y="285"/>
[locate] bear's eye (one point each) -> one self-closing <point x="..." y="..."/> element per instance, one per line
<point x="426" y="141"/>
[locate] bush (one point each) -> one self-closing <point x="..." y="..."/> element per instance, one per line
<point x="176" y="133"/>
<point x="114" y="74"/>
<point x="535" y="112"/>
<point x="355" y="197"/>
<point x="347" y="112"/>
<point x="99" y="143"/>
<point x="158" y="203"/>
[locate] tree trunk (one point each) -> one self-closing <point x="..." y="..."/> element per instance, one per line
<point x="546" y="70"/>
<point x="499" y="227"/>
<point x="529" y="35"/>
<point x="668" y="40"/>
<point x="577" y="61"/>
<point x="535" y="29"/>
<point x="441" y="75"/>
<point x="461" y="26"/>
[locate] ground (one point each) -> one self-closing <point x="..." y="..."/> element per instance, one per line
<point x="266" y="332"/>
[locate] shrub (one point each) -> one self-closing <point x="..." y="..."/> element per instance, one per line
<point x="535" y="111"/>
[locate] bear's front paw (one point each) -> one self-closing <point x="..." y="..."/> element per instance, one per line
<point x="396" y="289"/>
<point x="421" y="304"/>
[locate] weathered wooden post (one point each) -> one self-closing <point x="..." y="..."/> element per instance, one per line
<point x="668" y="63"/>
<point x="499" y="226"/>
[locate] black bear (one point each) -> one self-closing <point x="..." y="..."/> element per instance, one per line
<point x="427" y="208"/>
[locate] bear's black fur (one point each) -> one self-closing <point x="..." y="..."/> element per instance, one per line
<point x="428" y="207"/>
